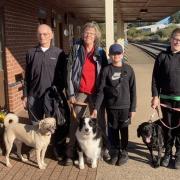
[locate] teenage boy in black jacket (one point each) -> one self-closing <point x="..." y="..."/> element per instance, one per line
<point x="166" y="89"/>
<point x="118" y="89"/>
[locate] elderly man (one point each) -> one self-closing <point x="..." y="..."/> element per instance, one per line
<point x="166" y="90"/>
<point x="44" y="68"/>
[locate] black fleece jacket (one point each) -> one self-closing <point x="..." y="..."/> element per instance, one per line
<point x="117" y="88"/>
<point x="44" y="69"/>
<point x="166" y="74"/>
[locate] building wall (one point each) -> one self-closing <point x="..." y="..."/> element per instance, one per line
<point x="20" y="23"/>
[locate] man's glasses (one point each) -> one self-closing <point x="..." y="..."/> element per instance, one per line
<point x="43" y="34"/>
<point x="176" y="40"/>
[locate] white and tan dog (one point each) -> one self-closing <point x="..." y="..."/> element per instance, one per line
<point x="36" y="136"/>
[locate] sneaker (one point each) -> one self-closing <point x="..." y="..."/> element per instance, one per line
<point x="114" y="156"/>
<point x="166" y="160"/>
<point x="123" y="158"/>
<point x="113" y="160"/>
<point x="57" y="155"/>
<point x="177" y="162"/>
<point x="106" y="155"/>
<point x="68" y="162"/>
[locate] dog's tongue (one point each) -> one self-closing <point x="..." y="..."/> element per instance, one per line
<point x="148" y="139"/>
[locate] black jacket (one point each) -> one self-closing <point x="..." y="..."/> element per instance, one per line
<point x="117" y="88"/>
<point x="44" y="69"/>
<point x="55" y="105"/>
<point x="166" y="74"/>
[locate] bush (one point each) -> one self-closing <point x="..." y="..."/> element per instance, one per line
<point x="160" y="35"/>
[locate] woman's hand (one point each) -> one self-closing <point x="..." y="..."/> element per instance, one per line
<point x="94" y="114"/>
<point x="72" y="100"/>
<point x="24" y="101"/>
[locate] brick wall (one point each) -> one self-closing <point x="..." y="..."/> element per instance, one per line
<point x="20" y="34"/>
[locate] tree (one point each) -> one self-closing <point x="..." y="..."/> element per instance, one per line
<point x="175" y="18"/>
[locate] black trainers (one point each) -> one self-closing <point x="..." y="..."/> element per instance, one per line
<point x="106" y="155"/>
<point x="68" y="162"/>
<point x="113" y="160"/>
<point x="114" y="156"/>
<point x="165" y="160"/>
<point x="177" y="162"/>
<point x="123" y="158"/>
<point x="57" y="155"/>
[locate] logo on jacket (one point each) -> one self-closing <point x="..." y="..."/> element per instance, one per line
<point x="116" y="75"/>
<point x="53" y="58"/>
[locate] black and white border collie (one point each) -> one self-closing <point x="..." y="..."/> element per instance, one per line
<point x="90" y="141"/>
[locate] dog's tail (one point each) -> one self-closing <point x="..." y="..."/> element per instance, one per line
<point x="10" y="118"/>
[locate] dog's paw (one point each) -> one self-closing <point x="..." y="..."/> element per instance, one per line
<point x="44" y="164"/>
<point x="94" y="165"/>
<point x="81" y="166"/>
<point x="24" y="159"/>
<point x="8" y="165"/>
<point x="42" y="167"/>
<point x="76" y="162"/>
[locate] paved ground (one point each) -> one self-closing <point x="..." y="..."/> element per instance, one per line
<point x="138" y="166"/>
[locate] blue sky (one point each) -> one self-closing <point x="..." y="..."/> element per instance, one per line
<point x="163" y="21"/>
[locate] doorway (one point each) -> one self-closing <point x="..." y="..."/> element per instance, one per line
<point x="60" y="35"/>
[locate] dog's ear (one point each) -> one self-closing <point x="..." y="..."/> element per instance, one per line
<point x="41" y="124"/>
<point x="94" y="120"/>
<point x="81" y="119"/>
<point x="139" y="131"/>
<point x="81" y="122"/>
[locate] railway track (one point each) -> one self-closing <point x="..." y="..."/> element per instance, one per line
<point x="151" y="48"/>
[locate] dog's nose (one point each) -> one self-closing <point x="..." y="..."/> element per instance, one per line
<point x="86" y="129"/>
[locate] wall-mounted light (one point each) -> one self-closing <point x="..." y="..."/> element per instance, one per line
<point x="143" y="11"/>
<point x="66" y="32"/>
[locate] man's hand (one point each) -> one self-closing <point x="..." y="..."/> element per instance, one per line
<point x="24" y="101"/>
<point x="155" y="102"/>
<point x="94" y="114"/>
<point x="132" y="114"/>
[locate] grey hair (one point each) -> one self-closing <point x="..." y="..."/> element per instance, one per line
<point x="46" y="26"/>
<point x="94" y="25"/>
<point x="175" y="31"/>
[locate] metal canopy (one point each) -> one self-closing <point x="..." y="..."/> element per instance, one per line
<point x="130" y="10"/>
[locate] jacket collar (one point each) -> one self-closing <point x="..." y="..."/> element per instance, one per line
<point x="96" y="49"/>
<point x="38" y="48"/>
<point x="170" y="51"/>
